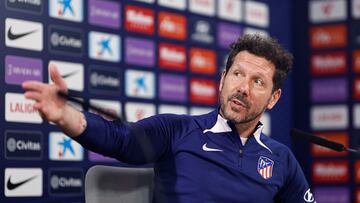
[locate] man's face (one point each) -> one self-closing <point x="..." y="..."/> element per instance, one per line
<point x="246" y="90"/>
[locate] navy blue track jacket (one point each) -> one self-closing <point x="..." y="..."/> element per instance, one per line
<point x="202" y="159"/>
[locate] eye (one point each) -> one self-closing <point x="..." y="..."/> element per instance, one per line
<point x="259" y="82"/>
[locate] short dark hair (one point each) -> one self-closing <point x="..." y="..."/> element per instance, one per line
<point x="265" y="47"/>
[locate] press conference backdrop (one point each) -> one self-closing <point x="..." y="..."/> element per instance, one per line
<point x="327" y="84"/>
<point x="134" y="58"/>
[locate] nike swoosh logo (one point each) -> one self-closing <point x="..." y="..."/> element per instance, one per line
<point x="11" y="186"/>
<point x="207" y="149"/>
<point x="69" y="74"/>
<point x="13" y="36"/>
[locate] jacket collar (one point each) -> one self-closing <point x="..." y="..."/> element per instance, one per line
<point x="222" y="125"/>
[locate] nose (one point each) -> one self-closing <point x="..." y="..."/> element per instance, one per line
<point x="243" y="87"/>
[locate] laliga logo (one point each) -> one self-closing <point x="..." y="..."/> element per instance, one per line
<point x="309" y="197"/>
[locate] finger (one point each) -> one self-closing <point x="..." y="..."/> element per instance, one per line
<point x="33" y="86"/>
<point x="56" y="77"/>
<point x="33" y="95"/>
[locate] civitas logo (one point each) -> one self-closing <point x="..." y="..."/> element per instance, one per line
<point x="23" y="34"/>
<point x="23" y="182"/>
<point x="71" y="10"/>
<point x="29" y="6"/>
<point x="19" y="109"/>
<point x="23" y="145"/>
<point x="65" y="181"/>
<point x="104" y="80"/>
<point x="65" y="40"/>
<point x="139" y="19"/>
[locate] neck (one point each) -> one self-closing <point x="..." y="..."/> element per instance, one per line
<point x="246" y="129"/>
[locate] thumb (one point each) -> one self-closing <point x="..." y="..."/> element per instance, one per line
<point x="56" y="77"/>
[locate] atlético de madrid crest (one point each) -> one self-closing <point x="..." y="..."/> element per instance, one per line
<point x="265" y="167"/>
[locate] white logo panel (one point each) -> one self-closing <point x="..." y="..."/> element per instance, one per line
<point x="137" y="111"/>
<point x="266" y="121"/>
<point x="356" y="115"/>
<point x="230" y="10"/>
<point x="72" y="73"/>
<point x="140" y="84"/>
<point x="250" y="30"/>
<point x="200" y="110"/>
<point x="331" y="117"/>
<point x="23" y="34"/>
<point x="176" y="4"/>
<point x="20" y="109"/>
<point x="204" y="7"/>
<point x="63" y="148"/>
<point x="355" y="8"/>
<point x="110" y="106"/>
<point x="257" y="13"/>
<point x="172" y="109"/>
<point x="327" y="11"/>
<point x="23" y="182"/>
<point x="104" y="46"/>
<point x="71" y="10"/>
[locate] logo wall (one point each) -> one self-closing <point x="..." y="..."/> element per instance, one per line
<point x="20" y="109"/>
<point x="72" y="73"/>
<point x="104" y="46"/>
<point x="137" y="111"/>
<point x="71" y="10"/>
<point x="140" y="84"/>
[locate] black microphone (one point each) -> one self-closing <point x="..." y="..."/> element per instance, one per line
<point x="320" y="141"/>
<point x="69" y="97"/>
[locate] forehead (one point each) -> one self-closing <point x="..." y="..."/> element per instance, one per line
<point x="246" y="58"/>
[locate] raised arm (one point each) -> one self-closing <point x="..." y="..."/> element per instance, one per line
<point x="52" y="107"/>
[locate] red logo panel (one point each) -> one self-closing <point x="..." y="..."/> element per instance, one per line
<point x="172" y="57"/>
<point x="202" y="61"/>
<point x="138" y="19"/>
<point x="328" y="36"/>
<point x="334" y="171"/>
<point x="319" y="151"/>
<point x="203" y="91"/>
<point x="172" y="26"/>
<point x="332" y="63"/>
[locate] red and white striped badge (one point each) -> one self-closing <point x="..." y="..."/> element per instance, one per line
<point x="265" y="167"/>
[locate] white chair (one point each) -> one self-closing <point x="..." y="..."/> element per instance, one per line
<point x="110" y="184"/>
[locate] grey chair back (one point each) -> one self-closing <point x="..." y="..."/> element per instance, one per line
<point x="110" y="184"/>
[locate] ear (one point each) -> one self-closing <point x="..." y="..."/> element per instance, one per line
<point x="222" y="79"/>
<point x="274" y="98"/>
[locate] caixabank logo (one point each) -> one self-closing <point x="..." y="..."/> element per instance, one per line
<point x="23" y="145"/>
<point x="23" y="182"/>
<point x="104" y="46"/>
<point x="71" y="10"/>
<point x="140" y="84"/>
<point x="65" y="182"/>
<point x="63" y="148"/>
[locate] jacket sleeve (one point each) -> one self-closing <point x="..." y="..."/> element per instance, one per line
<point x="146" y="141"/>
<point x="296" y="188"/>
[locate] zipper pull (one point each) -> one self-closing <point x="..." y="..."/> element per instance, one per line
<point x="241" y="152"/>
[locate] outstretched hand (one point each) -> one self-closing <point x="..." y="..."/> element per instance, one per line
<point x="47" y="101"/>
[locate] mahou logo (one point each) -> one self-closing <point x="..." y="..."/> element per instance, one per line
<point x="335" y="171"/>
<point x="202" y="61"/>
<point x="138" y="19"/>
<point x="328" y="36"/>
<point x="356" y="61"/>
<point x="332" y="63"/>
<point x="203" y="91"/>
<point x="172" y="57"/>
<point x="357" y="88"/>
<point x="172" y="26"/>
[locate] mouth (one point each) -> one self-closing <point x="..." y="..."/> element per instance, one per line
<point x="237" y="104"/>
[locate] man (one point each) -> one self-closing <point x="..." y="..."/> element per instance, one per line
<point x="220" y="157"/>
